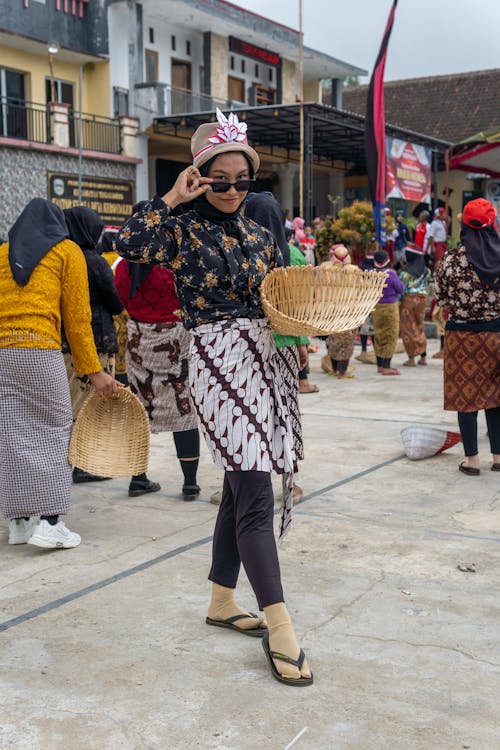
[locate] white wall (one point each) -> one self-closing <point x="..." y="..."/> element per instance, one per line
<point x="163" y="33"/>
<point x="118" y="46"/>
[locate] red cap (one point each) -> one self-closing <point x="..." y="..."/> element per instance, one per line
<point x="479" y="214"/>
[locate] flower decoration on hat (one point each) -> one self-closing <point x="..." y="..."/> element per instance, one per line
<point x="230" y="129"/>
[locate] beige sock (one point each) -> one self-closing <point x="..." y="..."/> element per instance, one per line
<point x="223" y="605"/>
<point x="282" y="638"/>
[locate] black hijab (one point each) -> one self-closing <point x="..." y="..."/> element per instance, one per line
<point x="85" y="226"/>
<point x="265" y="210"/>
<point x="38" y="228"/>
<point x="415" y="262"/>
<point x="482" y="248"/>
<point x="138" y="272"/>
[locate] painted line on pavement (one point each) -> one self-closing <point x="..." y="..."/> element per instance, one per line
<point x="166" y="556"/>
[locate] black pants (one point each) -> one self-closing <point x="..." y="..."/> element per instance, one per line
<point x="187" y="443"/>
<point x="467" y="422"/>
<point x="304" y="373"/>
<point x="244" y="534"/>
<point x="340" y="365"/>
<point x="384" y="362"/>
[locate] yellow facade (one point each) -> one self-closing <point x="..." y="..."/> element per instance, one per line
<point x="96" y="83"/>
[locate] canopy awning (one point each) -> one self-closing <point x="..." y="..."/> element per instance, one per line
<point x="332" y="137"/>
<point x="480" y="153"/>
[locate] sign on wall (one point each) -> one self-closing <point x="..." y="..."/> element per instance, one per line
<point x="408" y="171"/>
<point x="252" y="51"/>
<point x="112" y="199"/>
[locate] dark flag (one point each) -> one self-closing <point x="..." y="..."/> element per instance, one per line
<point x="375" y="133"/>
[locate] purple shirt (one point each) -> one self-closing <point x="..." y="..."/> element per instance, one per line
<point x="393" y="288"/>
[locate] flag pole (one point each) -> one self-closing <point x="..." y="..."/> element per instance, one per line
<point x="301" y="115"/>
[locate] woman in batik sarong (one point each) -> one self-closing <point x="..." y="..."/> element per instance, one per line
<point x="219" y="258"/>
<point x="43" y="283"/>
<point x="467" y="284"/>
<point x="417" y="280"/>
<point x="158" y="361"/>
<point x="340" y="346"/>
<point x="264" y="209"/>
<point x="386" y="316"/>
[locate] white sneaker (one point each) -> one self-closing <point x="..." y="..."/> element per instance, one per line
<point x="54" y="537"/>
<point x="20" y="530"/>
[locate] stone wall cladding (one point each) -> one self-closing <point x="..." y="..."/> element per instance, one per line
<point x="24" y="176"/>
<point x="219" y="69"/>
<point x="288" y="81"/>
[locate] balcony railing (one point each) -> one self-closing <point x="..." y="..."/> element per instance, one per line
<point x="159" y="99"/>
<point x="32" y="122"/>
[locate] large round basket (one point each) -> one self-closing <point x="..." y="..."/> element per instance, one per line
<point x="110" y="437"/>
<point x="308" y="301"/>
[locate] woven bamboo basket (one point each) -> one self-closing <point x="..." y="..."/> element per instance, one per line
<point x="110" y="437"/>
<point x="308" y="301"/>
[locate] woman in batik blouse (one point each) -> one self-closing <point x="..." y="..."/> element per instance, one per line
<point x="219" y="258"/>
<point x="467" y="284"/>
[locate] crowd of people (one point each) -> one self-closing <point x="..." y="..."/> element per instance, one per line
<point x="178" y="292"/>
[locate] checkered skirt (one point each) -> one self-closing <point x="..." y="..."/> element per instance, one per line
<point x="35" y="427"/>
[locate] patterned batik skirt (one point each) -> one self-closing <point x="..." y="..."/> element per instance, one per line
<point x="35" y="427"/>
<point x="386" y="327"/>
<point x="242" y="402"/>
<point x="471" y="370"/>
<point x="157" y="371"/>
<point x="412" y="315"/>
<point x="288" y="363"/>
<point x="341" y="345"/>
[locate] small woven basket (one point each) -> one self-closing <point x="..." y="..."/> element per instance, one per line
<point x="308" y="301"/>
<point x="110" y="437"/>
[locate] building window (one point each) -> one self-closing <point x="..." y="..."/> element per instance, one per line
<point x="236" y="89"/>
<point x="231" y="62"/>
<point x="242" y="66"/>
<point x="172" y="42"/>
<point x="270" y="76"/>
<point x="59" y="91"/>
<point x="151" y="35"/>
<point x="151" y="66"/>
<point x="256" y="70"/>
<point x="13" y="115"/>
<point x="120" y="101"/>
<point x="188" y="47"/>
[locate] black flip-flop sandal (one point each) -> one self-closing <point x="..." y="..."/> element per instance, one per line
<point x="471" y="471"/>
<point x="230" y="624"/>
<point x="302" y="681"/>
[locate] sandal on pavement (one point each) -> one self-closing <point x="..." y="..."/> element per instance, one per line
<point x="495" y="467"/>
<point x="409" y="364"/>
<point x="230" y="624"/>
<point x="311" y="389"/>
<point x="471" y="471"/>
<point x="302" y="681"/>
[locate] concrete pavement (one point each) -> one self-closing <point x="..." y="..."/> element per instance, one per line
<point x="105" y="646"/>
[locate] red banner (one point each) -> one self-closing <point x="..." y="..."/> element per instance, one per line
<point x="408" y="171"/>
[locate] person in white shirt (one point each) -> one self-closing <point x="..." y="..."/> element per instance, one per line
<point x="437" y="237"/>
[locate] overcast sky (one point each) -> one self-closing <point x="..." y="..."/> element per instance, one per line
<point x="429" y="37"/>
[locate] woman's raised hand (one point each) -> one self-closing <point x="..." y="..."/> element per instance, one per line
<point x="188" y="186"/>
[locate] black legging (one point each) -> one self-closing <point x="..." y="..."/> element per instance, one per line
<point x="187" y="443"/>
<point x="244" y="534"/>
<point x="340" y="365"/>
<point x="467" y="422"/>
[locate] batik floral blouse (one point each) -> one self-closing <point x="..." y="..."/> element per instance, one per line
<point x="458" y="288"/>
<point x="217" y="275"/>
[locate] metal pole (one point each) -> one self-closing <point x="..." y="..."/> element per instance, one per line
<point x="80" y="132"/>
<point x="301" y="114"/>
<point x="52" y="84"/>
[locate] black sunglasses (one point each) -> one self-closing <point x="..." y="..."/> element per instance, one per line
<point x="240" y="185"/>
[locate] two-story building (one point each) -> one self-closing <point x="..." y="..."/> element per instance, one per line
<point x="175" y="60"/>
<point x="58" y="138"/>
